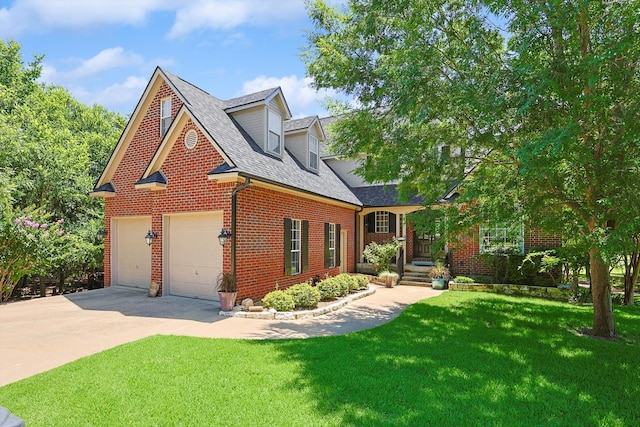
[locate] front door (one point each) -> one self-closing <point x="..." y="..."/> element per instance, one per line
<point x="423" y="245"/>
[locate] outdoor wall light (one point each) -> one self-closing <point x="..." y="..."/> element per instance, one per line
<point x="101" y="234"/>
<point x="224" y="236"/>
<point x="150" y="236"/>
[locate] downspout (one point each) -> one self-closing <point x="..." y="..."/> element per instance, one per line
<point x="357" y="237"/>
<point x="247" y="182"/>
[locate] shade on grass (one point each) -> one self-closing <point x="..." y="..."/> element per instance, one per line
<point x="458" y="359"/>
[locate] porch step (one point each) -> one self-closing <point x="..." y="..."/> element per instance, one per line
<point x="415" y="278"/>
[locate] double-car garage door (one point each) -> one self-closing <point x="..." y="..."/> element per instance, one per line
<point x="192" y="256"/>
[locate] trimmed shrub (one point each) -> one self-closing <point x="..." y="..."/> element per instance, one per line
<point x="329" y="289"/>
<point x="362" y="282"/>
<point x="463" y="279"/>
<point x="345" y="282"/>
<point x="278" y="300"/>
<point x="304" y="295"/>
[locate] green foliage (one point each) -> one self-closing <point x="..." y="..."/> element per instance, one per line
<point x="439" y="271"/>
<point x="362" y="282"/>
<point x="463" y="279"/>
<point x="380" y="255"/>
<point x="329" y="289"/>
<point x="346" y="283"/>
<point x="546" y="116"/>
<point x="29" y="244"/>
<point x="52" y="150"/>
<point x="278" y="300"/>
<point x="304" y="295"/>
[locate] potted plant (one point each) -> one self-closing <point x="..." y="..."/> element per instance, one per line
<point x="439" y="276"/>
<point x="227" y="290"/>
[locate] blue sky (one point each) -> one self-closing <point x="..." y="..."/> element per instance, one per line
<point x="105" y="51"/>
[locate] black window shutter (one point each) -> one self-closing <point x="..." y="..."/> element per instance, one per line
<point x="392" y="222"/>
<point x="287" y="246"/>
<point x="305" y="246"/>
<point x="326" y="245"/>
<point x="371" y="222"/>
<point x="337" y="244"/>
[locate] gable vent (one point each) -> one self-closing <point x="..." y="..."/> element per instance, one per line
<point x="191" y="139"/>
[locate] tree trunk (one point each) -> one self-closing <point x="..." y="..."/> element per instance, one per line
<point x="43" y="287"/>
<point x="603" y="321"/>
<point x="632" y="264"/>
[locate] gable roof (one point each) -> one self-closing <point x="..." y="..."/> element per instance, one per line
<point x="241" y="153"/>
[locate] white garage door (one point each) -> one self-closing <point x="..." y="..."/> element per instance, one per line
<point x="195" y="256"/>
<point x="132" y="256"/>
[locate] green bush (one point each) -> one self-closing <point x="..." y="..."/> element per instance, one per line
<point x="381" y="255"/>
<point x="362" y="282"/>
<point x="581" y="296"/>
<point x="345" y="282"/>
<point x="463" y="279"/>
<point x="329" y="289"/>
<point x="278" y="300"/>
<point x="304" y="295"/>
<point x="483" y="279"/>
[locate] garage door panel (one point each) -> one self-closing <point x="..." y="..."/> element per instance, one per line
<point x="132" y="255"/>
<point x="195" y="256"/>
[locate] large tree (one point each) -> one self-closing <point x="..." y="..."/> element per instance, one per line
<point x="52" y="149"/>
<point x="540" y="96"/>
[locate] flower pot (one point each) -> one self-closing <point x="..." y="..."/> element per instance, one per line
<point x="390" y="281"/>
<point x="227" y="300"/>
<point x="437" y="283"/>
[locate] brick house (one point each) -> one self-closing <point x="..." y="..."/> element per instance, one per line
<point x="189" y="165"/>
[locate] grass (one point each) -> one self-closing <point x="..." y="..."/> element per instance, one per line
<point x="458" y="359"/>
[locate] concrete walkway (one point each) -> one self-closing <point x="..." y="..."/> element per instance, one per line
<point x="41" y="334"/>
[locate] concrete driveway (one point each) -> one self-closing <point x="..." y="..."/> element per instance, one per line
<point x="41" y="334"/>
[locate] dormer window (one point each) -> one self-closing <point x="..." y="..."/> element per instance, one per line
<point x="274" y="140"/>
<point x="165" y="115"/>
<point x="313" y="152"/>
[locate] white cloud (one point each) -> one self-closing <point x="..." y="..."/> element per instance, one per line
<point x="226" y="15"/>
<point x="115" y="96"/>
<point x="301" y="97"/>
<point x="107" y="59"/>
<point x="42" y="15"/>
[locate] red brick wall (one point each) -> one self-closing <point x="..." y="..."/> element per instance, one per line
<point x="464" y="258"/>
<point x="260" y="213"/>
<point x="128" y="201"/>
<point x="260" y="238"/>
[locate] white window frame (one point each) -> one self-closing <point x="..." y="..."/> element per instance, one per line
<point x="274" y="127"/>
<point x="505" y="235"/>
<point x="382" y="221"/>
<point x="332" y="245"/>
<point x="296" y="246"/>
<point x="314" y="152"/>
<point x="165" y="115"/>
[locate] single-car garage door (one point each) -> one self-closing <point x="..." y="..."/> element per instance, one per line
<point x="131" y="258"/>
<point x="194" y="254"/>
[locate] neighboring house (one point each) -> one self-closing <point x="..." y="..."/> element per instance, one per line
<point x="189" y="167"/>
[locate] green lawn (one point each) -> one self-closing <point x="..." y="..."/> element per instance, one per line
<point x="459" y="359"/>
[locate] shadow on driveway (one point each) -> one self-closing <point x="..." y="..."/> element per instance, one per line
<point x="135" y="302"/>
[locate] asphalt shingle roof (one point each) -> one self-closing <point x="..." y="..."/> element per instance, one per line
<point x="246" y="155"/>
<point x="382" y="195"/>
<point x="298" y="124"/>
<point x="248" y="99"/>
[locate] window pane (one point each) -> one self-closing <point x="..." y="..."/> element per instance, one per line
<point x="313" y="152"/>
<point x="502" y="238"/>
<point x="274" y="143"/>
<point x="332" y="245"/>
<point x="295" y="246"/>
<point x="382" y="222"/>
